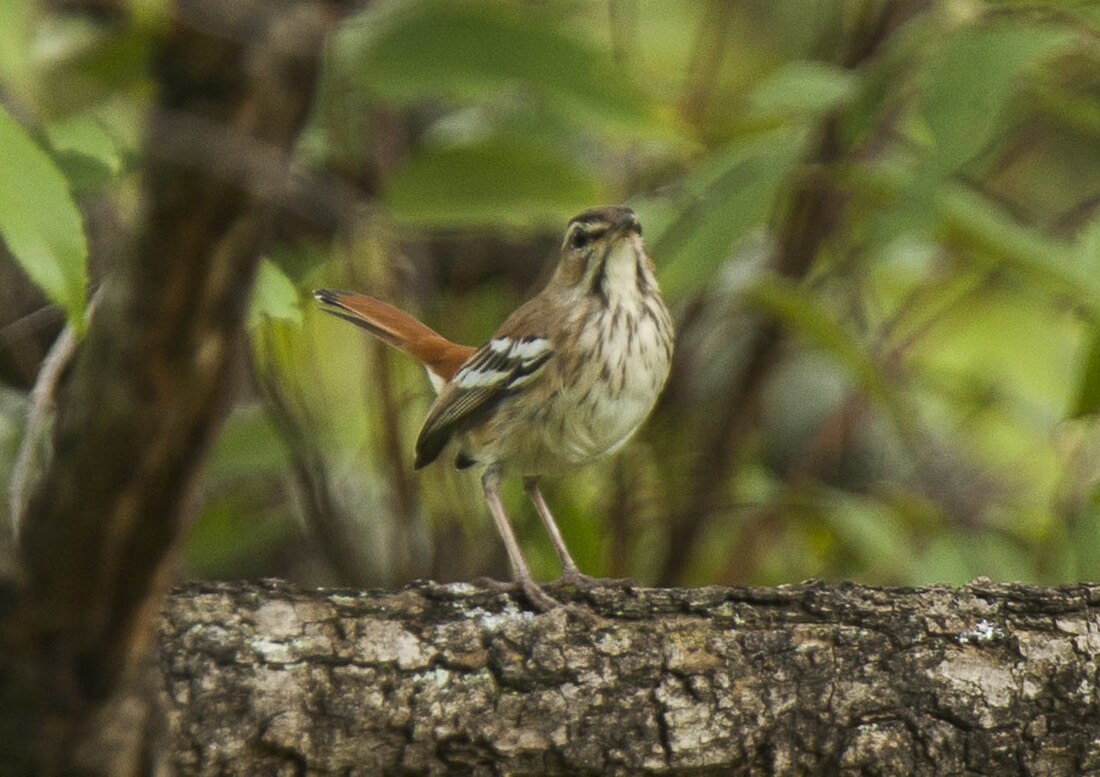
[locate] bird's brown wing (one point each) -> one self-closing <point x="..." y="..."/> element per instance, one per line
<point x="495" y="370"/>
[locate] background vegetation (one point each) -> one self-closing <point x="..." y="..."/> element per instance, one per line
<point x="877" y="223"/>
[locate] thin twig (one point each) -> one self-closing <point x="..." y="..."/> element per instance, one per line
<point x="42" y="400"/>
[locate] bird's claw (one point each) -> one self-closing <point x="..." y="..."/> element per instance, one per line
<point x="534" y="594"/>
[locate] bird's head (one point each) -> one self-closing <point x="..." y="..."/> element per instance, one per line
<point x="603" y="253"/>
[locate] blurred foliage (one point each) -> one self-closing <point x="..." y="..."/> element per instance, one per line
<point x="878" y="224"/>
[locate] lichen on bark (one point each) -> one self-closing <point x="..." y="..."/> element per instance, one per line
<point x="434" y="679"/>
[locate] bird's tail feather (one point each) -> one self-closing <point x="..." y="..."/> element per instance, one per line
<point x="397" y="328"/>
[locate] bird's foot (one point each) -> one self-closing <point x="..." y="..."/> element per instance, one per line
<point x="534" y="594"/>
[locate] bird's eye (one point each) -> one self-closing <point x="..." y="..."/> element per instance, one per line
<point x="579" y="239"/>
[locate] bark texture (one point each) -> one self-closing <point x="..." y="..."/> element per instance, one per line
<point x="983" y="680"/>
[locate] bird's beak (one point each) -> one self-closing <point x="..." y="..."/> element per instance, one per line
<point x="627" y="222"/>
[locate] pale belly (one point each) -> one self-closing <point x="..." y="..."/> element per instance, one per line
<point x="561" y="434"/>
<point x="595" y="405"/>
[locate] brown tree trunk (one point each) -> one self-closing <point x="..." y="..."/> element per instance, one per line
<point x="811" y="679"/>
<point x="149" y="386"/>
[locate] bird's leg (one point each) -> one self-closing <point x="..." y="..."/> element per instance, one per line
<point x="490" y="483"/>
<point x="569" y="568"/>
<point x="570" y="573"/>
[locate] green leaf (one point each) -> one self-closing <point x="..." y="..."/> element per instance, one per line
<point x="958" y="557"/>
<point x="237" y="532"/>
<point x="970" y="79"/>
<point x="85" y="152"/>
<point x="39" y="221"/>
<point x="468" y="51"/>
<point x="870" y="528"/>
<point x="1088" y="247"/>
<point x="492" y="183"/>
<point x="17" y="19"/>
<point x="1087" y="401"/>
<point x="728" y="195"/>
<point x="91" y="63"/>
<point x="84" y="134"/>
<point x="248" y="446"/>
<point x="1084" y="539"/>
<point x="975" y="222"/>
<point x="273" y="297"/>
<point x="800" y="312"/>
<point x="964" y="218"/>
<point x="802" y="88"/>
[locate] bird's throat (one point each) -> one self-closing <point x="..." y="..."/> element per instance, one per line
<point x="620" y="273"/>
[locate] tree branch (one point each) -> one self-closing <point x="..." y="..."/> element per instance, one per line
<point x="810" y="679"/>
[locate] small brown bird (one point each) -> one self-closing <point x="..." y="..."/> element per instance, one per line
<point x="566" y="379"/>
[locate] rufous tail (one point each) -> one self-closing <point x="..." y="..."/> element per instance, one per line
<point x="397" y="328"/>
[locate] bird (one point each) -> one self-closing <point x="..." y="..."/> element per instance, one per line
<point x="565" y="381"/>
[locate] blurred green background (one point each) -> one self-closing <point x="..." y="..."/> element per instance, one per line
<point x="877" y="224"/>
